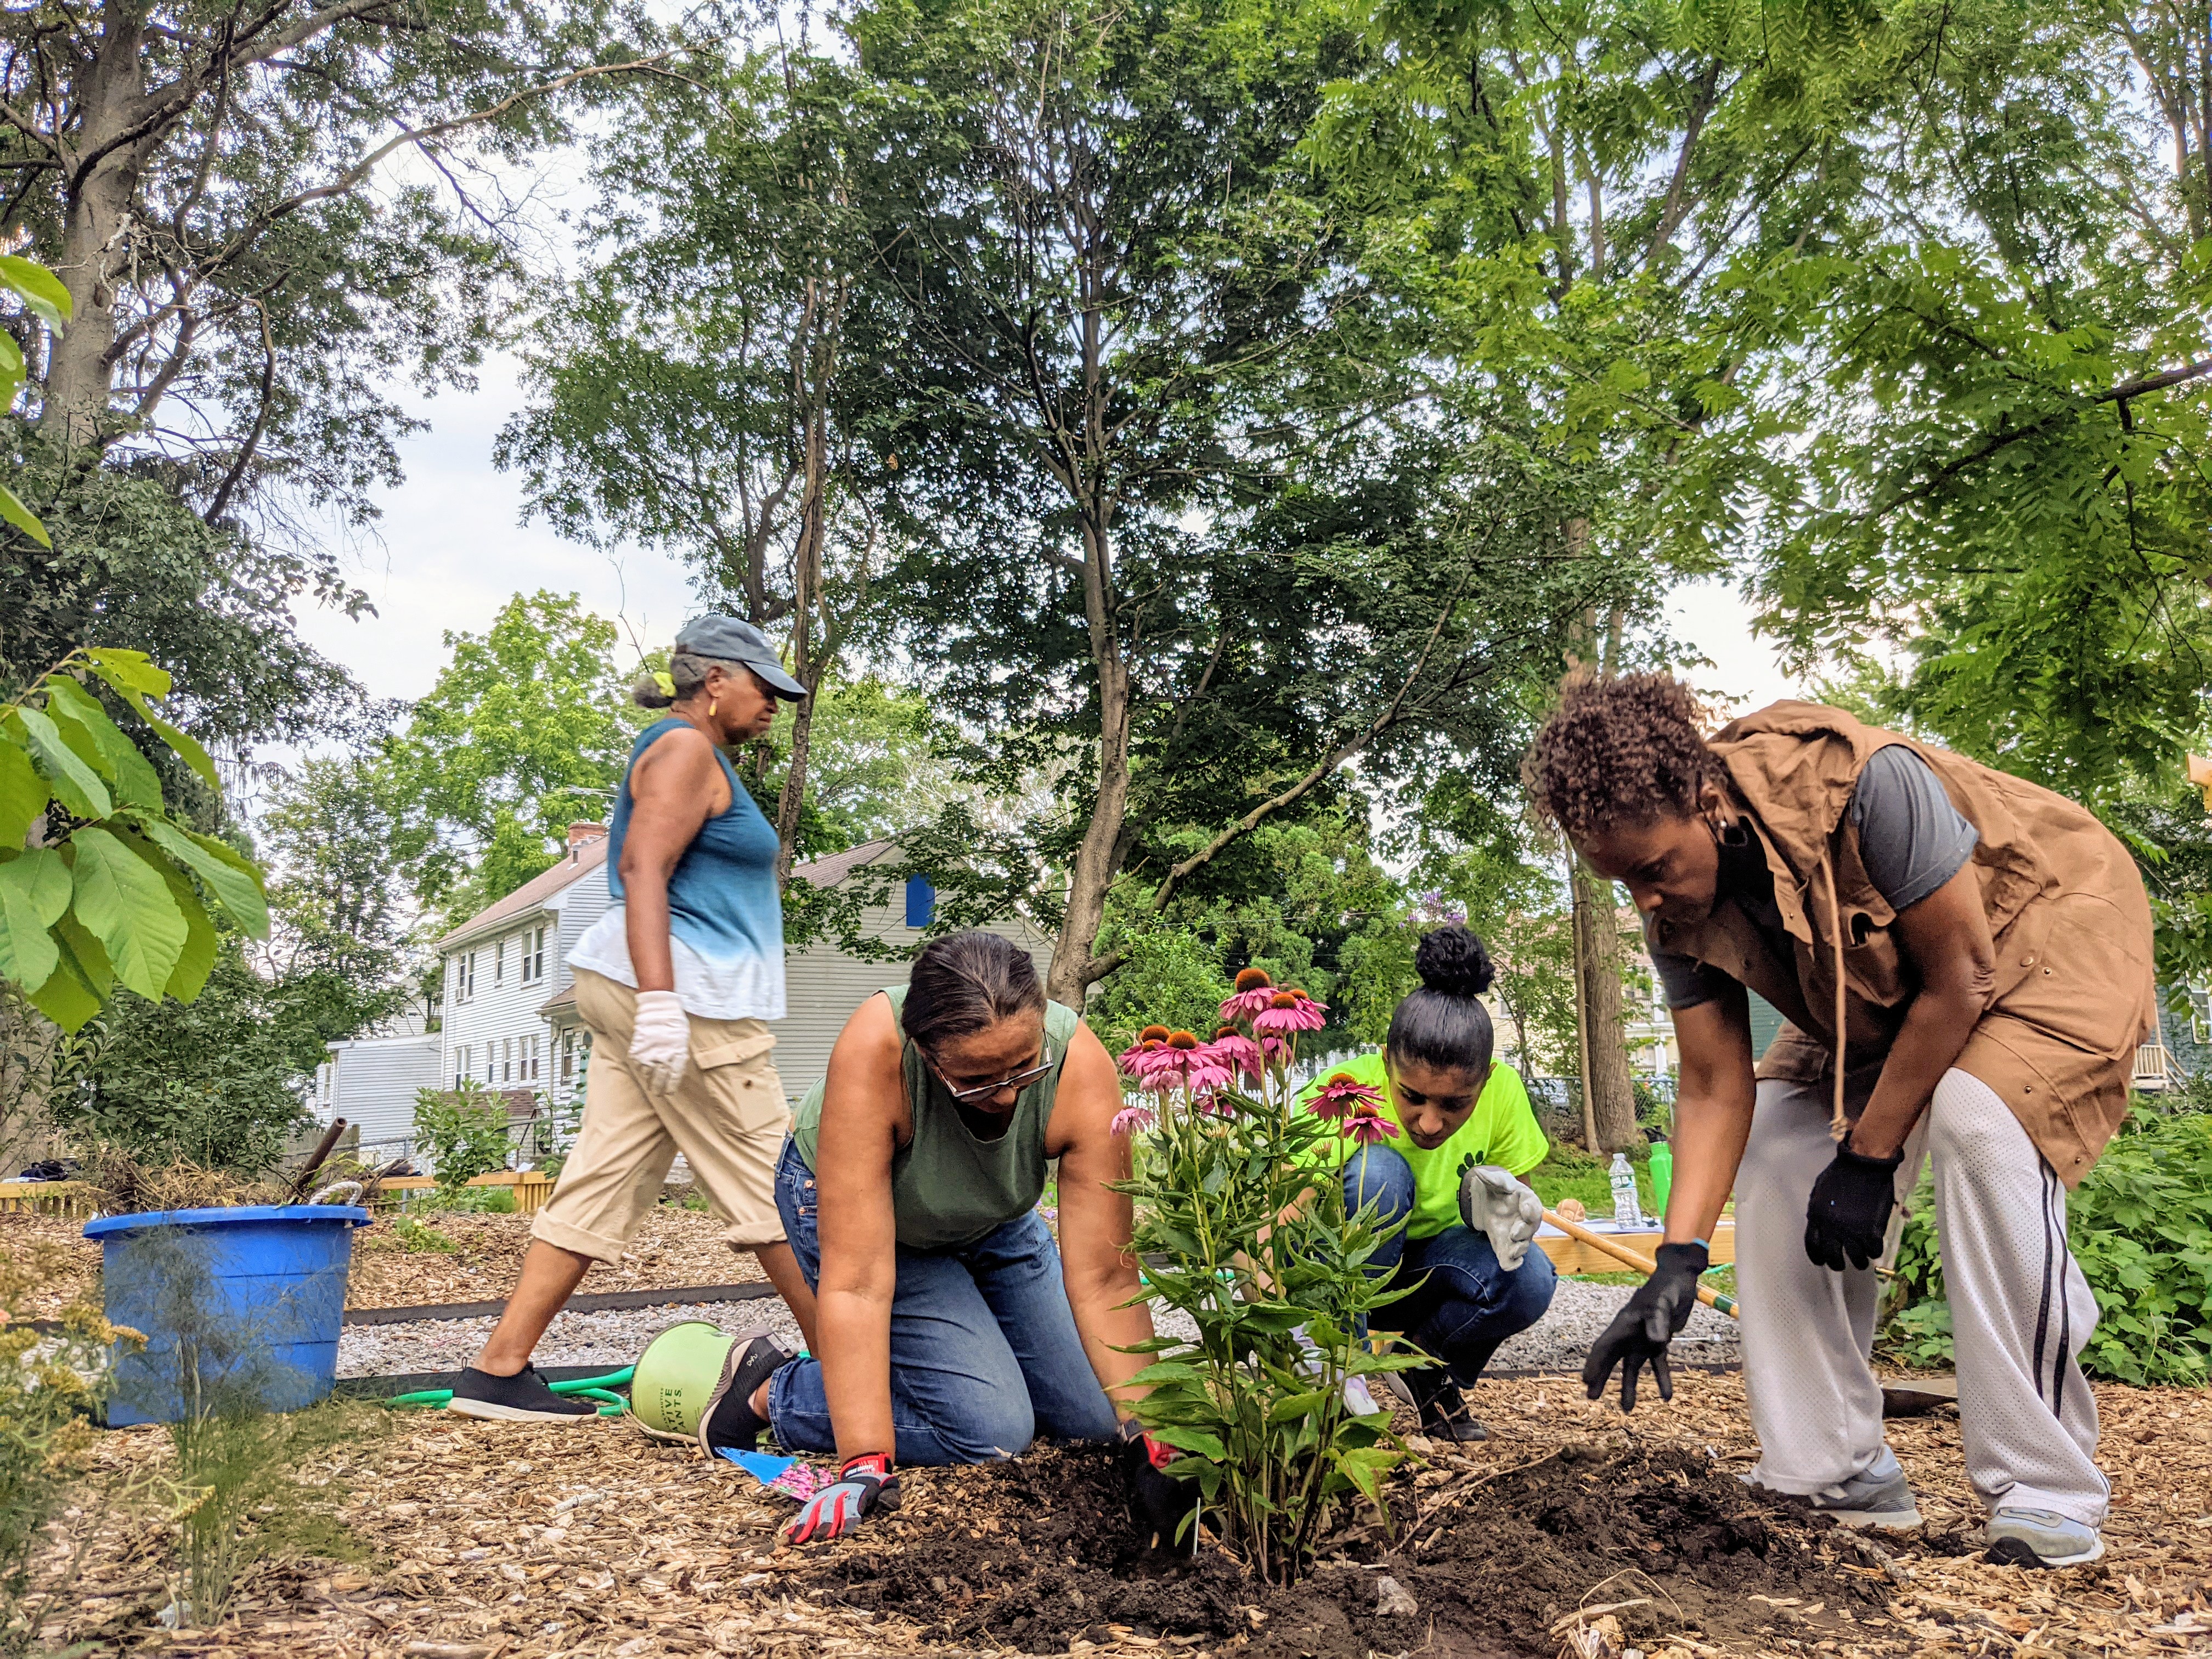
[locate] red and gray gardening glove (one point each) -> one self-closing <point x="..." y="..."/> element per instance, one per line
<point x="1159" y="1504"/>
<point x="863" y="1483"/>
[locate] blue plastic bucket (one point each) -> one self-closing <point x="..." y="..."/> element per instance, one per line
<point x="240" y="1308"/>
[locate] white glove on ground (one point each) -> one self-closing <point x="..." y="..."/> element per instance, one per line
<point x="1492" y="1201"/>
<point x="661" y="1040"/>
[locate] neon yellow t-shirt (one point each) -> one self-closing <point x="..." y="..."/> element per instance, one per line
<point x="1502" y="1129"/>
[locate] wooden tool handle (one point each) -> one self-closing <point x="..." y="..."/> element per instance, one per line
<point x="1643" y="1264"/>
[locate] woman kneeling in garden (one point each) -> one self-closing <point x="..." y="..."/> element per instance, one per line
<point x="1466" y="1122"/>
<point x="949" y="1330"/>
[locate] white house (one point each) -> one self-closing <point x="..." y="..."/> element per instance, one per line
<point x="508" y="1020"/>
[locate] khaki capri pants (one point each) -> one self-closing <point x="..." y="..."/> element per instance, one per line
<point x="728" y="1117"/>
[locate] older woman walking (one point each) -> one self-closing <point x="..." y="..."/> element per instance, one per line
<point x="677" y="982"/>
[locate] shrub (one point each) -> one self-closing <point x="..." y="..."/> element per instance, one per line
<point x="240" y="1500"/>
<point x="467" y="1201"/>
<point x="463" y="1131"/>
<point x="49" y="1385"/>
<point x="2139" y="1224"/>
<point x="1232" y="1241"/>
<point x="420" y="1238"/>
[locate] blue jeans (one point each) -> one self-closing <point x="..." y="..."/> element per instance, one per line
<point x="1468" y="1304"/>
<point x="984" y="1354"/>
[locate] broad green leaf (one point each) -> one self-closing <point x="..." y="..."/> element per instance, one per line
<point x="136" y="781"/>
<point x="35" y="891"/>
<point x="84" y="954"/>
<point x="77" y="786"/>
<point x="184" y="742"/>
<point x="196" y="961"/>
<point x="23" y="792"/>
<point x="130" y="671"/>
<point x="66" y="999"/>
<point x="235" y="884"/>
<point x="124" y="904"/>
<point x="1192" y="1440"/>
<point x="1172" y="1371"/>
<point x="42" y="291"/>
<point x="13" y="510"/>
<point x="1294" y="1406"/>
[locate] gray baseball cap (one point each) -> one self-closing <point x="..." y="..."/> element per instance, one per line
<point x="727" y="640"/>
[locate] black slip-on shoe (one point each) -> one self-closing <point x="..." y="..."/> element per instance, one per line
<point x="729" y="1419"/>
<point x="523" y="1398"/>
<point x="1431" y="1391"/>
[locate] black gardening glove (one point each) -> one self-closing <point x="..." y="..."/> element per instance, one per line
<point x="1158" y="1503"/>
<point x="1641" y="1331"/>
<point x="1850" y="1211"/>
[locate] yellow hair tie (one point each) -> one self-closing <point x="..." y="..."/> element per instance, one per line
<point x="665" y="681"/>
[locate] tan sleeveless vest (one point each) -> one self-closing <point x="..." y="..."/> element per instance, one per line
<point x="2074" y="991"/>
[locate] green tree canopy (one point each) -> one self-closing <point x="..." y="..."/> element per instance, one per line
<point x="526" y="730"/>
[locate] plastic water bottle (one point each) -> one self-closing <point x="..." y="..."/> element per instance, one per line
<point x="1626" y="1214"/>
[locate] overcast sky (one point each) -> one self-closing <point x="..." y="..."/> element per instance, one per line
<point x="454" y="548"/>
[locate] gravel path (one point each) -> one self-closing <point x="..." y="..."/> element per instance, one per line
<point x="1579" y="1312"/>
<point x="616" y="1338"/>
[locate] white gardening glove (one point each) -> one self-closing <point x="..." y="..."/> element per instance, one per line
<point x="661" y="1040"/>
<point x="1357" y="1400"/>
<point x="1493" y="1203"/>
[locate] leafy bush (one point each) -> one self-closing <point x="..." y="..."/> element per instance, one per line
<point x="2139" y="1224"/>
<point x="466" y="1200"/>
<point x="1271" y="1445"/>
<point x="49" y="1385"/>
<point x="463" y="1131"/>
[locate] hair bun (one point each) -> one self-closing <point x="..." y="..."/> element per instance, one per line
<point x="1453" y="961"/>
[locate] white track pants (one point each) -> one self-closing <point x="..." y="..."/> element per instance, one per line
<point x="2020" y="1309"/>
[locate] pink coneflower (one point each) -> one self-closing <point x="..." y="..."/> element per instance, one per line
<point x="1290" y="1010"/>
<point x="1367" y="1125"/>
<point x="1254" y="990"/>
<point x="1275" y="1051"/>
<point x="1213" y="1105"/>
<point x="1144" y="1058"/>
<point x="1343" y="1094"/>
<point x="1189" y="1063"/>
<point x="1131" y="1119"/>
<point x="1239" y="1051"/>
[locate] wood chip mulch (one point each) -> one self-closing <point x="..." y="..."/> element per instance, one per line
<point x="674" y="1247"/>
<point x="490" y="1541"/>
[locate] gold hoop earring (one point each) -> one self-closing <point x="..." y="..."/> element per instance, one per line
<point x="714" y="707"/>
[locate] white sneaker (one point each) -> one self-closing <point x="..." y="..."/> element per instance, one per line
<point x="2040" y="1538"/>
<point x="1875" y="1499"/>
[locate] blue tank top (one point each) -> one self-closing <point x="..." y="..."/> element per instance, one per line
<point x="722" y="898"/>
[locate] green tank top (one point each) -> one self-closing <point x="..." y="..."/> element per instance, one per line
<point x="948" y="1189"/>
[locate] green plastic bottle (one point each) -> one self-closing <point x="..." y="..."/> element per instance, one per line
<point x="1663" y="1174"/>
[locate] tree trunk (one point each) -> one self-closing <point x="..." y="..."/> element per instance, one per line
<point x="95" y="231"/>
<point x="1100" y="853"/>
<point x="1598" y="1009"/>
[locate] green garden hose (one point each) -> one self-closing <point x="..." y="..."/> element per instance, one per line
<point x="600" y="1388"/>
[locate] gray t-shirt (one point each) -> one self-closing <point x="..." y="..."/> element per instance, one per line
<point x="1911" y="841"/>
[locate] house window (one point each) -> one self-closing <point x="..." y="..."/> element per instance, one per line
<point x="499" y="962"/>
<point x="530" y="1060"/>
<point x="464" y="976"/>
<point x="507" y="1059"/>
<point x="568" y="1056"/>
<point x="920" y="902"/>
<point x="460" y="1065"/>
<point x="534" y="956"/>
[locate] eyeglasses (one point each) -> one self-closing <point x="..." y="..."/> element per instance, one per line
<point x="1016" y="1081"/>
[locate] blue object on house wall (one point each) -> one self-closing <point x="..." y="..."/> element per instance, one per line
<point x="920" y="902"/>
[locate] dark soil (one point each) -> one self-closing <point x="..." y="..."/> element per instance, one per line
<point x="1037" y="1551"/>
